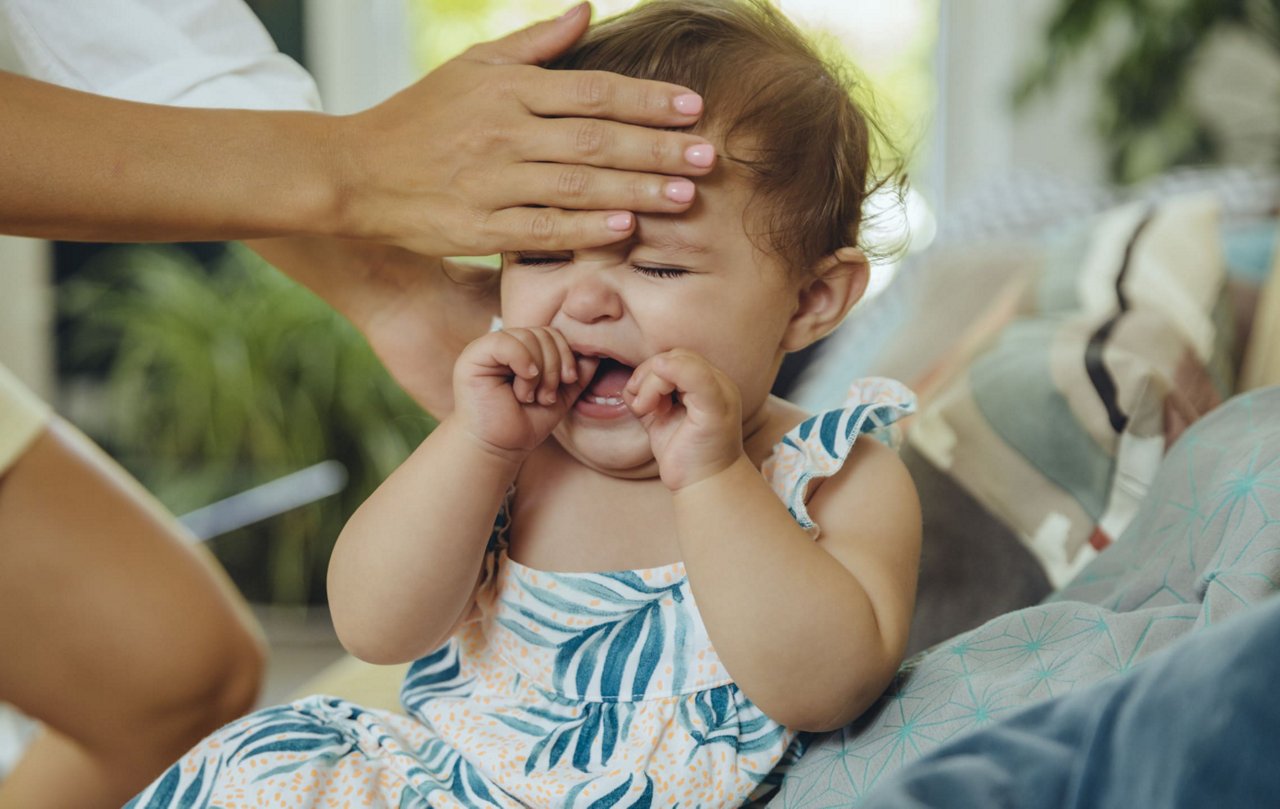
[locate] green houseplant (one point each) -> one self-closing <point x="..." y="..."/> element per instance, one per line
<point x="222" y="378"/>
<point x="1152" y="50"/>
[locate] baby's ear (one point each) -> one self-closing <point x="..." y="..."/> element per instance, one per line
<point x="833" y="287"/>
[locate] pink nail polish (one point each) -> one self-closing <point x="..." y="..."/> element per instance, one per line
<point x="573" y="11"/>
<point x="678" y="191"/>
<point x="687" y="104"/>
<point x="620" y="222"/>
<point x="702" y="155"/>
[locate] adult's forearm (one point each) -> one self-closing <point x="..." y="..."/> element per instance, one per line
<point x="82" y="167"/>
<point x="486" y="153"/>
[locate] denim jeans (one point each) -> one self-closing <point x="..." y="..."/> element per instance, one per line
<point x="1197" y="725"/>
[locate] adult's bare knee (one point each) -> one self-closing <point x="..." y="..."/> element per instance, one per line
<point x="185" y="698"/>
<point x="221" y="689"/>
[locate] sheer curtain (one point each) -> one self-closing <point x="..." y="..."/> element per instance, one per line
<point x="983" y="45"/>
<point x="360" y="51"/>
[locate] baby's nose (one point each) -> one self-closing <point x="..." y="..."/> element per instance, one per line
<point x="591" y="297"/>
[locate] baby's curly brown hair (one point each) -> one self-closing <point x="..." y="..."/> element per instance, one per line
<point x="777" y="106"/>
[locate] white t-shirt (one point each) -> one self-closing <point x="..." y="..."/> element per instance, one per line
<point x="195" y="53"/>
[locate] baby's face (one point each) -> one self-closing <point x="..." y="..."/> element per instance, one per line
<point x="695" y="280"/>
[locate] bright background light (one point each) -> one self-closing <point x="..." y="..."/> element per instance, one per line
<point x="890" y="43"/>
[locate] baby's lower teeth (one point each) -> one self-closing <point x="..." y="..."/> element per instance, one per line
<point x="611" y="401"/>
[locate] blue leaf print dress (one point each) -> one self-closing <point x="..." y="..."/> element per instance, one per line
<point x="565" y="690"/>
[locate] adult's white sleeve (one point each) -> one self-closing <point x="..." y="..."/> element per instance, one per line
<point x="196" y="53"/>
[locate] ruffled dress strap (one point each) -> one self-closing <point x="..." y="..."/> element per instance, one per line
<point x="499" y="539"/>
<point x="818" y="447"/>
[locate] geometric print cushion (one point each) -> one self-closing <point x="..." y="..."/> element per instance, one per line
<point x="1204" y="545"/>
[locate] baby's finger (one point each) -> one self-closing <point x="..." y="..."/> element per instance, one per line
<point x="651" y="393"/>
<point x="638" y="376"/>
<point x="568" y="362"/>
<point x="586" y="370"/>
<point x="525" y="363"/>
<point x="551" y="365"/>
<point x="692" y="377"/>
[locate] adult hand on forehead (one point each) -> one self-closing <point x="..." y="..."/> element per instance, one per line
<point x="494" y="153"/>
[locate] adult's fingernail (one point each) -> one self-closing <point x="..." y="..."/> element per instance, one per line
<point x="621" y="222"/>
<point x="678" y="190"/>
<point x="573" y="11"/>
<point x="688" y="103"/>
<point x="702" y="155"/>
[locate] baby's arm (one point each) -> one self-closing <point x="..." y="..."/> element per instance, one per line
<point x="811" y="631"/>
<point x="405" y="567"/>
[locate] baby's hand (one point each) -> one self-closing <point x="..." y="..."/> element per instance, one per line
<point x="698" y="432"/>
<point x="512" y="387"/>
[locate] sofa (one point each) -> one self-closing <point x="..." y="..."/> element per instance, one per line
<point x="1097" y="451"/>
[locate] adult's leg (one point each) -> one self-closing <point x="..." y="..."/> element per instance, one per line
<point x="127" y="643"/>
<point x="1195" y="726"/>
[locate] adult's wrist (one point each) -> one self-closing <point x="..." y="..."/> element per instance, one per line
<point x="318" y="191"/>
<point x="361" y="201"/>
<point x="267" y="173"/>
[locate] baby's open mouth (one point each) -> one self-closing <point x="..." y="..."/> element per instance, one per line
<point x="607" y="384"/>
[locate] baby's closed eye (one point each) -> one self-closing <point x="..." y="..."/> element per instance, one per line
<point x="541" y="259"/>
<point x="659" y="272"/>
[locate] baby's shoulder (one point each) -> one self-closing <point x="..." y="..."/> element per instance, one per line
<point x="843" y="454"/>
<point x="871" y="485"/>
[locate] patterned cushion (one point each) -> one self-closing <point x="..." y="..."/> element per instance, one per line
<point x="1262" y="354"/>
<point x="1057" y="428"/>
<point x="1205" y="545"/>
